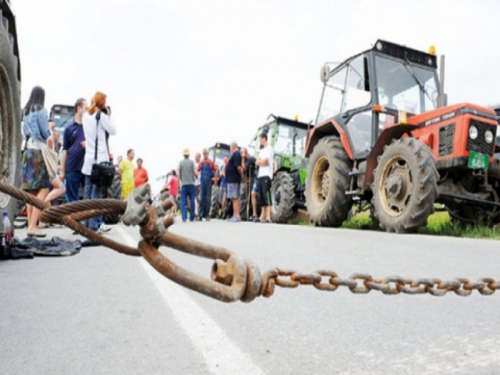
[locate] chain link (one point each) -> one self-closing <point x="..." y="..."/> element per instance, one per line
<point x="360" y="283"/>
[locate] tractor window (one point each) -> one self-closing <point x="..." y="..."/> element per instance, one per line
<point x="333" y="92"/>
<point x="290" y="141"/>
<point x="399" y="85"/>
<point x="360" y="131"/>
<point x="358" y="85"/>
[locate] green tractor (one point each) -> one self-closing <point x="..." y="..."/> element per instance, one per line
<point x="288" y="139"/>
<point x="216" y="154"/>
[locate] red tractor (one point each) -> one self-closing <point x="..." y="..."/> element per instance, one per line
<point x="386" y="136"/>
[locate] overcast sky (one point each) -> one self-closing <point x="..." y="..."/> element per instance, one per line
<point x="191" y="73"/>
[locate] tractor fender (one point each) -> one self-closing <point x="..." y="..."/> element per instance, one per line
<point x="331" y="127"/>
<point x="385" y="138"/>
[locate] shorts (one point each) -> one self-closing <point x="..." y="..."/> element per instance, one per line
<point x="127" y="189"/>
<point x="222" y="194"/>
<point x="233" y="191"/>
<point x="255" y="187"/>
<point x="264" y="188"/>
<point x="173" y="197"/>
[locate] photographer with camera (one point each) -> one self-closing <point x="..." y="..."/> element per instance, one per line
<point x="97" y="126"/>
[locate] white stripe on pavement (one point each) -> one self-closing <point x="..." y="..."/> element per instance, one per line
<point x="221" y="354"/>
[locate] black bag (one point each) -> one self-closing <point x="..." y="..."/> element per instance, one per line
<point x="102" y="173"/>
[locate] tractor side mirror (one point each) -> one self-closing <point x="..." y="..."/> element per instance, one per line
<point x="325" y="73"/>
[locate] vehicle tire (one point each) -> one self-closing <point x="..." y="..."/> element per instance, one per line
<point x="327" y="182"/>
<point x="283" y="198"/>
<point x="113" y="192"/>
<point x="214" y="202"/>
<point x="405" y="186"/>
<point x="10" y="119"/>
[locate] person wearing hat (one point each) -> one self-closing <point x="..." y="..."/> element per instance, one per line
<point x="187" y="176"/>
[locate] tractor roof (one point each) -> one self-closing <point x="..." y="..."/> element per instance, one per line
<point x="402" y="53"/>
<point x="293" y="123"/>
<point x="223" y="146"/>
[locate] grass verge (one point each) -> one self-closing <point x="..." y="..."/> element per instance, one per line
<point x="439" y="224"/>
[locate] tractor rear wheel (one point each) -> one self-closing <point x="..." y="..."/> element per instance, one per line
<point x="405" y="186"/>
<point x="327" y="182"/>
<point x="283" y="198"/>
<point x="10" y="119"/>
<point x="214" y="202"/>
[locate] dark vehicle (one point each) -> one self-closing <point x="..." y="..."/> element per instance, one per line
<point x="385" y="135"/>
<point x="10" y="108"/>
<point x="63" y="116"/>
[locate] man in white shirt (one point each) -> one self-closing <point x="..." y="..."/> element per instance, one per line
<point x="265" y="174"/>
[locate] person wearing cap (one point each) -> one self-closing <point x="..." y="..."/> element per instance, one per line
<point x="234" y="176"/>
<point x="187" y="176"/>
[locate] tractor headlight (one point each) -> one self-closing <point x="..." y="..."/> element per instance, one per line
<point x="473" y="132"/>
<point x="488" y="136"/>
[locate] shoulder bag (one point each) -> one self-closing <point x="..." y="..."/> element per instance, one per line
<point x="102" y="173"/>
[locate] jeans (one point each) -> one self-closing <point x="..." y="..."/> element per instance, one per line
<point x="205" y="198"/>
<point x="187" y="191"/>
<point x="92" y="191"/>
<point x="73" y="181"/>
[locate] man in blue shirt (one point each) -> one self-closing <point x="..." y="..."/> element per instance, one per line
<point x="74" y="154"/>
<point x="234" y="176"/>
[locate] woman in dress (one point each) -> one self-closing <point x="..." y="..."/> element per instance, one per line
<point x="34" y="175"/>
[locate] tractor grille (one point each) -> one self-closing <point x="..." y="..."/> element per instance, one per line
<point x="479" y="144"/>
<point x="446" y="138"/>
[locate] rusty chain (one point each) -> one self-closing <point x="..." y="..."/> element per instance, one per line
<point x="232" y="277"/>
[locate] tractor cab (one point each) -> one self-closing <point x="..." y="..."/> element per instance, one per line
<point x="216" y="153"/>
<point x="286" y="137"/>
<point x="375" y="89"/>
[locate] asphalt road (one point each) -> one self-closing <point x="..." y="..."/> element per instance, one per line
<point x="100" y="312"/>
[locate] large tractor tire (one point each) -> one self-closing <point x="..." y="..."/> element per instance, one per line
<point x="215" y="204"/>
<point x="327" y="182"/>
<point x="10" y="118"/>
<point x="283" y="198"/>
<point x="113" y="192"/>
<point x="405" y="186"/>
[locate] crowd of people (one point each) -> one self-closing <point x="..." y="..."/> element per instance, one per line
<point x="196" y="178"/>
<point x="51" y="168"/>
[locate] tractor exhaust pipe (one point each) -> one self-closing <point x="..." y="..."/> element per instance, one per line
<point x="442" y="99"/>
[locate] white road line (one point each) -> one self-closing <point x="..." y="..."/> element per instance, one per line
<point x="221" y="354"/>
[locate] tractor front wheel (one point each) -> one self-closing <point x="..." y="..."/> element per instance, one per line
<point x="327" y="182"/>
<point x="283" y="198"/>
<point x="405" y="186"/>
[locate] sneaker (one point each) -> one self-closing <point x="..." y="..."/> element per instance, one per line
<point x="252" y="218"/>
<point x="104" y="228"/>
<point x="207" y="218"/>
<point x="234" y="220"/>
